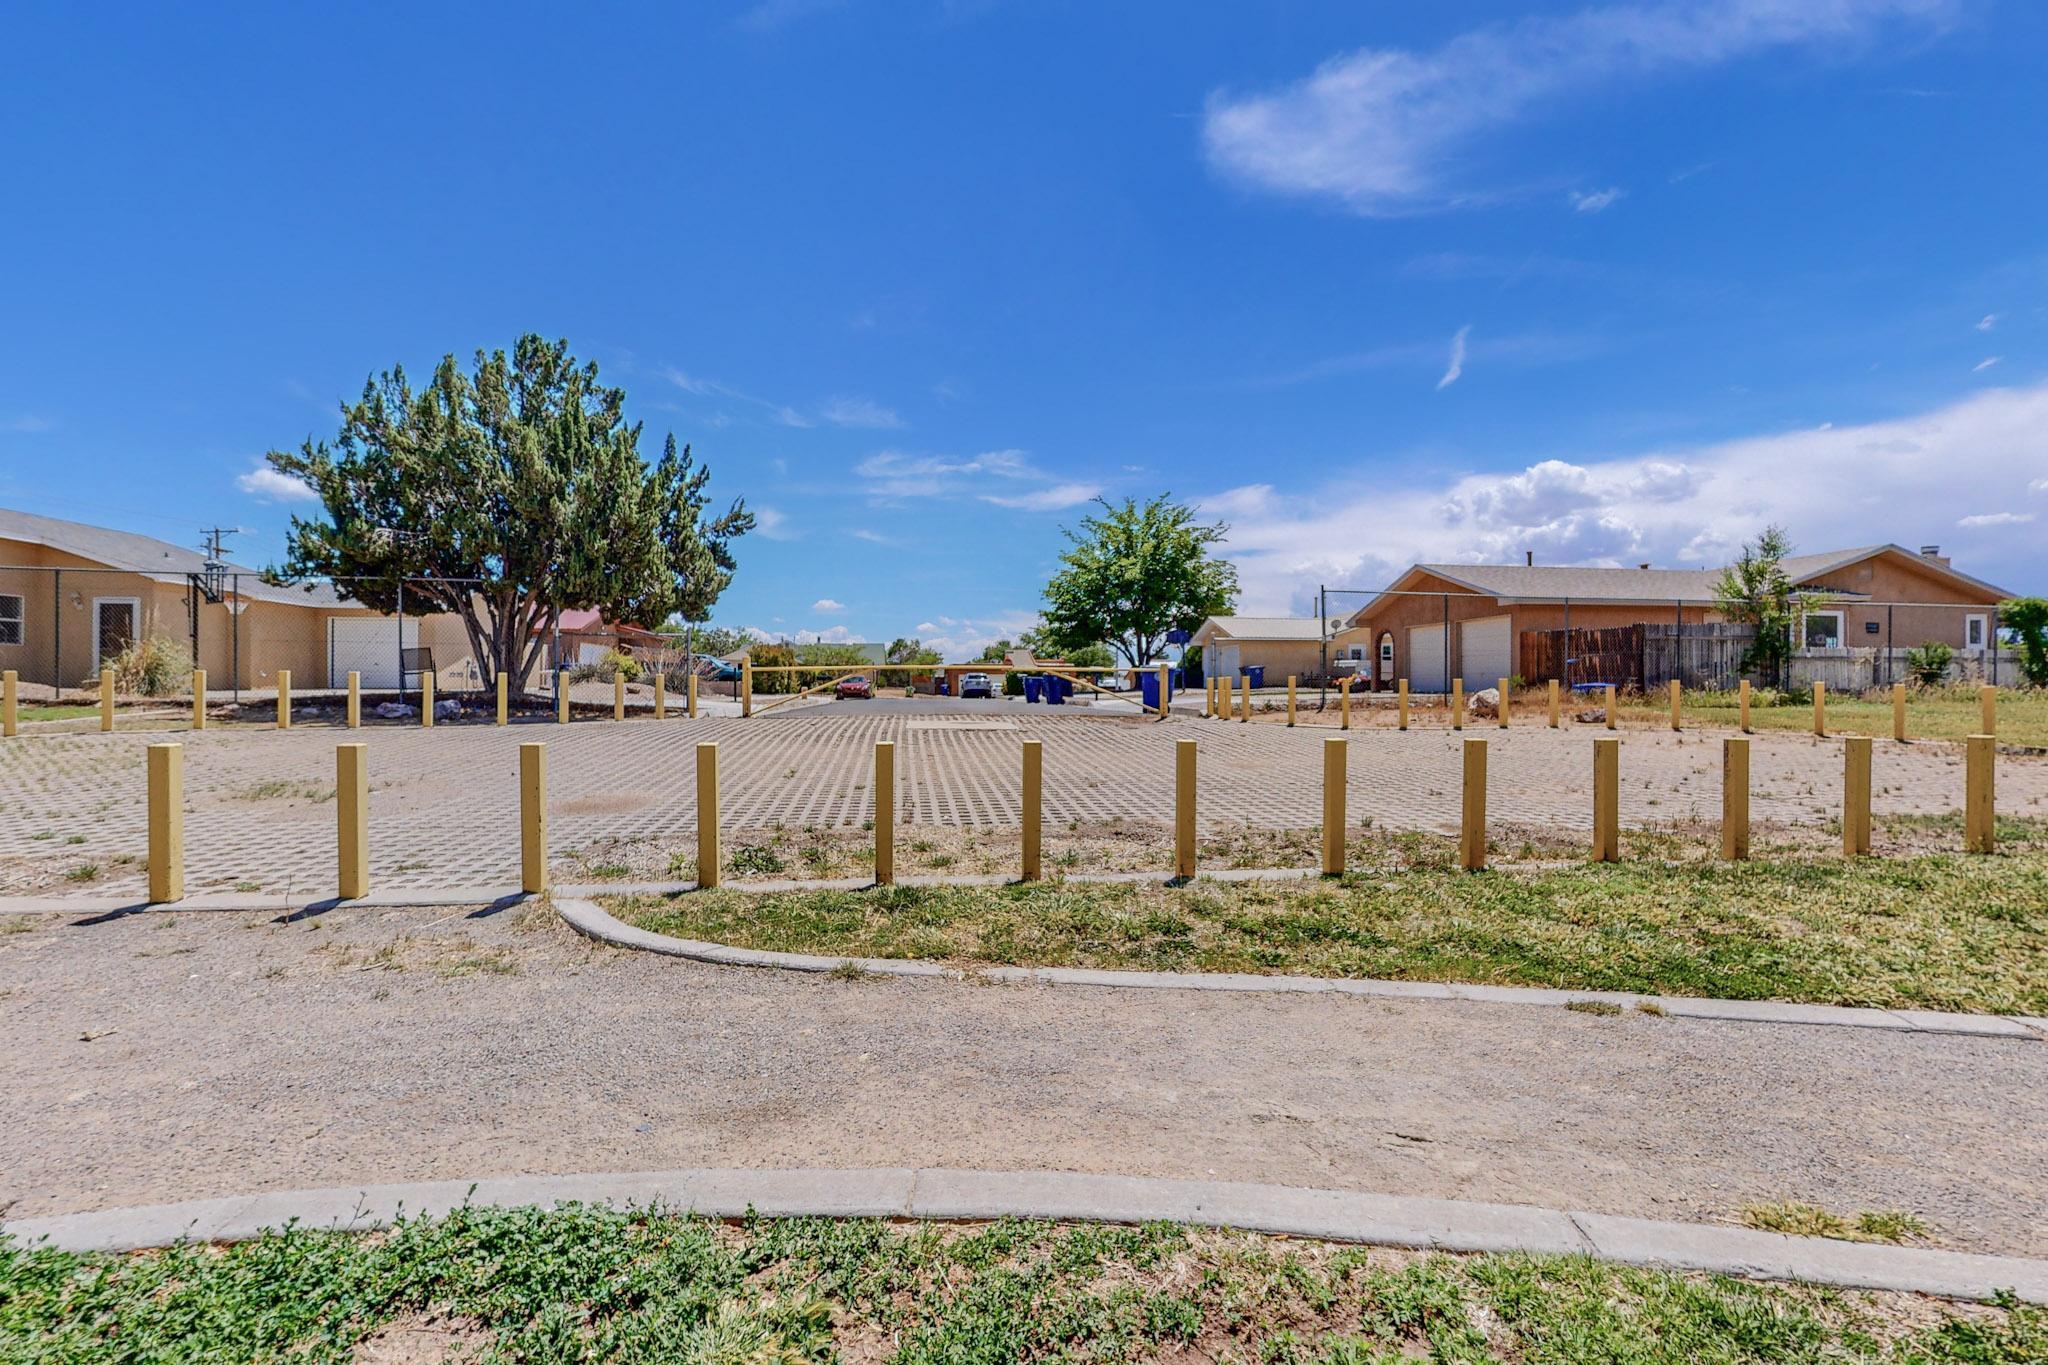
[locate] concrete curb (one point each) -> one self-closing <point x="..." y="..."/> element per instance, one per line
<point x="593" y="921"/>
<point x="951" y="1195"/>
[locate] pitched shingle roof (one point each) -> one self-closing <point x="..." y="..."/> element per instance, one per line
<point x="1264" y="628"/>
<point x="157" y="559"/>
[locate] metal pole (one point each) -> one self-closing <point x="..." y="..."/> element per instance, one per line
<point x="1890" y="644"/>
<point x="1447" y="649"/>
<point x="1678" y="642"/>
<point x="401" y="641"/>
<point x="1323" y="632"/>
<point x="235" y="641"/>
<point x="57" y="634"/>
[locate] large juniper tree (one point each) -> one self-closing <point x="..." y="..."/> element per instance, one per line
<point x="507" y="495"/>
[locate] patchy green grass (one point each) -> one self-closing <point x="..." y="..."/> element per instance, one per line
<point x="1809" y="1220"/>
<point x="1937" y="930"/>
<point x="1949" y="713"/>
<point x="579" y="1284"/>
<point x="28" y="713"/>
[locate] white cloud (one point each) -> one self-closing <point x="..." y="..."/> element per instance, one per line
<point x="1986" y="363"/>
<point x="1381" y="129"/>
<point x="1831" y="487"/>
<point x="871" y="536"/>
<point x="1457" y="365"/>
<point x="860" y="412"/>
<point x="1996" y="519"/>
<point x="827" y="604"/>
<point x="1050" y="499"/>
<point x="1598" y="199"/>
<point x="26" y="424"/>
<point x="269" y="485"/>
<point x="960" y="641"/>
<point x="1987" y="322"/>
<point x="772" y="524"/>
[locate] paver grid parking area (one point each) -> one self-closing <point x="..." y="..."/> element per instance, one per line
<point x="444" y="801"/>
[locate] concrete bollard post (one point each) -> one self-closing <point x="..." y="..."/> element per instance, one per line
<point x="199" y="699"/>
<point x="1820" y="709"/>
<point x="533" y="818"/>
<point x="1184" y="809"/>
<point x="1034" y="780"/>
<point x="1401" y="703"/>
<point x="1855" y="796"/>
<point x="106" y="701"/>
<point x="1556" y="711"/>
<point x="1899" y="712"/>
<point x="166" y="823"/>
<point x="1987" y="710"/>
<point x="1472" y="824"/>
<point x="660" y="695"/>
<point x="1344" y="706"/>
<point x="1735" y="799"/>
<point x="1457" y="703"/>
<point x="885" y="813"/>
<point x="1613" y="716"/>
<point x="10" y="704"/>
<point x="1606" y="800"/>
<point x="618" y="696"/>
<point x="1336" y="755"/>
<point x="504" y="697"/>
<point x="710" y="859"/>
<point x="353" y="711"/>
<point x="1506" y="697"/>
<point x="1742" y="696"/>
<point x="427" y="700"/>
<point x="1290" y="700"/>
<point x="352" y="820"/>
<point x="1677" y="721"/>
<point x="1979" y="798"/>
<point x="284" y="699"/>
<point x="690" y="694"/>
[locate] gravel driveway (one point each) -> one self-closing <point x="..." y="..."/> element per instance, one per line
<point x="157" y="1057"/>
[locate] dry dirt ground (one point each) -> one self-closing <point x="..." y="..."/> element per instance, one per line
<point x="170" y="1056"/>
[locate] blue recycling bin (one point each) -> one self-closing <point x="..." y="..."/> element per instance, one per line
<point x="1148" y="689"/>
<point x="1057" y="689"/>
<point x="1255" y="676"/>
<point x="1175" y="682"/>
<point x="1034" y="688"/>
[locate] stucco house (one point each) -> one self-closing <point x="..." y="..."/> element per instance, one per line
<point x="1285" y="646"/>
<point x="73" y="595"/>
<point x="1476" y="621"/>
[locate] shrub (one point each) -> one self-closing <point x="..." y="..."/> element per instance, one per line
<point x="611" y="662"/>
<point x="1929" y="663"/>
<point x="151" y="667"/>
<point x="1013" y="684"/>
<point x="2027" y="618"/>
<point x="758" y="859"/>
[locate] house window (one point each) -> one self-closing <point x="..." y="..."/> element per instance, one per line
<point x="10" y="619"/>
<point x="1973" y="632"/>
<point x="1822" y="630"/>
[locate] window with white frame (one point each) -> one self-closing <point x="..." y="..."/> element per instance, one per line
<point x="1821" y="630"/>
<point x="1973" y="632"/>
<point x="10" y="619"/>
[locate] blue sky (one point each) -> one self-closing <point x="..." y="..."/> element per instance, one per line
<point x="1372" y="283"/>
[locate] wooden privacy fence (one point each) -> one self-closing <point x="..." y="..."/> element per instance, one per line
<point x="1611" y="655"/>
<point x="165" y="798"/>
<point x="1640" y="657"/>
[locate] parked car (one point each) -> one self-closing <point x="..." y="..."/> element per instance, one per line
<point x="854" y="687"/>
<point x="977" y="685"/>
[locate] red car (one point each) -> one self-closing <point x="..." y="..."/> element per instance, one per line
<point x="854" y="687"/>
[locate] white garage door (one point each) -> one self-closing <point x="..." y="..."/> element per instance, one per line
<point x="1425" y="659"/>
<point x="368" y="645"/>
<point x="1487" y="651"/>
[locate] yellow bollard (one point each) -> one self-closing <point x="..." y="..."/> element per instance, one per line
<point x="1606" y="800"/>
<point x="1034" y="780"/>
<point x="709" y="859"/>
<point x="660" y="695"/>
<point x="1820" y="708"/>
<point x="1676" y="692"/>
<point x="1472" y="825"/>
<point x="1244" y="698"/>
<point x="352" y="820"/>
<point x="427" y="700"/>
<point x="1336" y="753"/>
<point x="885" y="813"/>
<point x="1979" y="808"/>
<point x="106" y="701"/>
<point x="166" y="823"/>
<point x="1987" y="710"/>
<point x="504" y="697"/>
<point x="1457" y="703"/>
<point x="1613" y="718"/>
<point x="1344" y="705"/>
<point x="690" y="694"/>
<point x="10" y="704"/>
<point x="618" y="696"/>
<point x="1290" y="699"/>
<point x="199" y="699"/>
<point x="1742" y="693"/>
<point x="561" y="697"/>
<point x="533" y="818"/>
<point x="355" y="701"/>
<point x="1556" y="715"/>
<point x="1506" y="697"/>
<point x="747" y="687"/>
<point x="1735" y="799"/>
<point x="1402" y="702"/>
<point x="284" y="699"/>
<point x="1855" y="795"/>
<point x="1184" y="809"/>
<point x="1208" y="698"/>
<point x="1899" y="712"/>
<point x="1165" y="676"/>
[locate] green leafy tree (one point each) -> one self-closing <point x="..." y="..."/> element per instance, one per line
<point x="505" y="496"/>
<point x="717" y="641"/>
<point x="995" y="653"/>
<point x="906" y="651"/>
<point x="1091" y="656"/>
<point x="2027" y="619"/>
<point x="1756" y="591"/>
<point x="1134" y="573"/>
